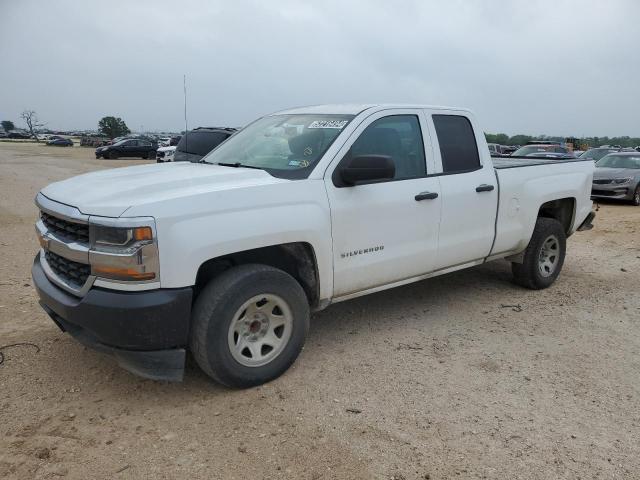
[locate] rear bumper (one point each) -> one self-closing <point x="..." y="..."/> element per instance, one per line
<point x="147" y="332"/>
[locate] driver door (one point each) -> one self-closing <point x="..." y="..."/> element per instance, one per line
<point x="385" y="232"/>
<point x="130" y="148"/>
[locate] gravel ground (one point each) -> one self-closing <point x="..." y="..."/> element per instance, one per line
<point x="461" y="376"/>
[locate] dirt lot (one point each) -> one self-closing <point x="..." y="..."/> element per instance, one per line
<point x="448" y="380"/>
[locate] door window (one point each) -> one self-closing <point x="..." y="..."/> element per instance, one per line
<point x="399" y="137"/>
<point x="458" y="147"/>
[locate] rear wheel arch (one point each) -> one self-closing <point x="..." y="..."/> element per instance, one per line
<point x="563" y="210"/>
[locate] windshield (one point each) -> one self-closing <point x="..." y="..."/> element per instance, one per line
<point x="533" y="149"/>
<point x="619" y="161"/>
<point x="286" y="146"/>
<point x="597" y="153"/>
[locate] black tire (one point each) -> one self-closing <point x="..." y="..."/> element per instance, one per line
<point x="215" y="308"/>
<point x="151" y="155"/>
<point x="636" y="197"/>
<point x="529" y="273"/>
<point x="113" y="155"/>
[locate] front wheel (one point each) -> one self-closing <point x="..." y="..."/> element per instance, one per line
<point x="113" y="155"/>
<point x="249" y="325"/>
<point x="544" y="256"/>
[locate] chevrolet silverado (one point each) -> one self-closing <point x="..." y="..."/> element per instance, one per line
<point x="226" y="258"/>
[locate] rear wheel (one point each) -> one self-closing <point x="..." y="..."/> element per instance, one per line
<point x="249" y="325"/>
<point x="151" y="155"/>
<point x="544" y="256"/>
<point x="636" y="197"/>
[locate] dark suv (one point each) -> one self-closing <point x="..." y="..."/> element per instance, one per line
<point x="129" y="147"/>
<point x="196" y="143"/>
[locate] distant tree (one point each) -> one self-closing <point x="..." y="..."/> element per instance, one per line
<point x="31" y="119"/>
<point x="8" y="125"/>
<point x="113" y="127"/>
<point x="520" y="139"/>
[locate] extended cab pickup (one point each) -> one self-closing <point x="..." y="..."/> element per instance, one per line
<point x="300" y="209"/>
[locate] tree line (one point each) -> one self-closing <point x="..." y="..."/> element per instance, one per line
<point x="504" y="139"/>
<point x="116" y="127"/>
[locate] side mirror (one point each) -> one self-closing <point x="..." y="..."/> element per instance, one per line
<point x="367" y="168"/>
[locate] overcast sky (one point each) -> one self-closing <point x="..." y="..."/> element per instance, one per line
<point x="554" y="67"/>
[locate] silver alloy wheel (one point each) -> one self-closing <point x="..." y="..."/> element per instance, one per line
<point x="636" y="196"/>
<point x="549" y="256"/>
<point x="260" y="330"/>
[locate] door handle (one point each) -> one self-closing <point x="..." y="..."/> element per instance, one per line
<point x="426" y="196"/>
<point x="484" y="188"/>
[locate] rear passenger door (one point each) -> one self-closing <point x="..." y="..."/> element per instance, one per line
<point x="469" y="191"/>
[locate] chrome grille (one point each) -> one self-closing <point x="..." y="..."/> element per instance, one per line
<point x="603" y="182"/>
<point x="65" y="230"/>
<point x="71" y="272"/>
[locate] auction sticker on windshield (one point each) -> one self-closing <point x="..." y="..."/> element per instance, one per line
<point x="339" y="124"/>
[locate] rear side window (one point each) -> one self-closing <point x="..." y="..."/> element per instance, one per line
<point x="200" y="142"/>
<point x="458" y="146"/>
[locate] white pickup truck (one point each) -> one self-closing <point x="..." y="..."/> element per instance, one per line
<point x="302" y="208"/>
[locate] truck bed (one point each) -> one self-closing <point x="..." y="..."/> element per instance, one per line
<point x="501" y="163"/>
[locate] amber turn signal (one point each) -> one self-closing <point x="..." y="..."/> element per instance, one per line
<point x="142" y="233"/>
<point x="122" y="273"/>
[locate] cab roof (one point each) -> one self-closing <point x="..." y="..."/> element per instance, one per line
<point x="356" y="108"/>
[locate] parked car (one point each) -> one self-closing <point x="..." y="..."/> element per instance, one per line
<point x="18" y="134"/>
<point x="539" y="148"/>
<point x="497" y="150"/>
<point x="60" y="142"/>
<point x="550" y="155"/>
<point x="617" y="176"/>
<point x="165" y="154"/>
<point x="200" y="141"/>
<point x="131" y="147"/>
<point x="599" y="152"/>
<point x="303" y="208"/>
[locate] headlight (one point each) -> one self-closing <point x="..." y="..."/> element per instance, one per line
<point x="126" y="253"/>
<point x="620" y="181"/>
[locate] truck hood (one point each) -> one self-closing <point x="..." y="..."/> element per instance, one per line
<point x="110" y="193"/>
<point x="601" y="173"/>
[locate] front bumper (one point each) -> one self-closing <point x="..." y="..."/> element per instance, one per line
<point x="612" y="191"/>
<point x="147" y="332"/>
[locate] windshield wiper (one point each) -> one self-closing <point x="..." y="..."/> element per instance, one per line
<point x="237" y="165"/>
